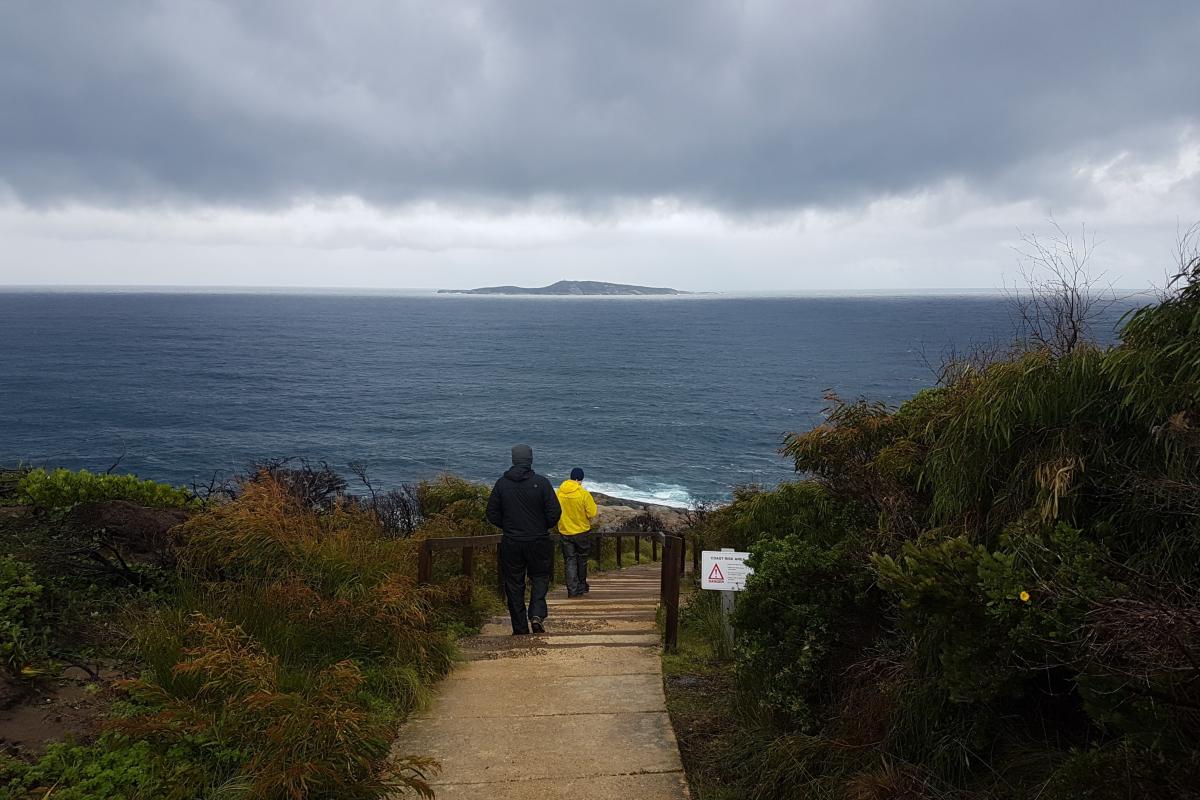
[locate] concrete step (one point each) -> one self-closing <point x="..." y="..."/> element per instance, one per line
<point x="575" y="714"/>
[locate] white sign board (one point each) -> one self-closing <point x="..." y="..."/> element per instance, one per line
<point x="724" y="570"/>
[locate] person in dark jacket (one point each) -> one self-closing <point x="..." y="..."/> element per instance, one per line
<point x="524" y="507"/>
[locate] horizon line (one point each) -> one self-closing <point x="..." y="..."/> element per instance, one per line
<point x="252" y="289"/>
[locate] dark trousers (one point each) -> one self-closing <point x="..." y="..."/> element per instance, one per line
<point x="518" y="559"/>
<point x="575" y="552"/>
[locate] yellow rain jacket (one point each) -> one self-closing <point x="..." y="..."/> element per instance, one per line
<point x="578" y="508"/>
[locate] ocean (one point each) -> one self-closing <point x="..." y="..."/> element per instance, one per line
<point x="670" y="400"/>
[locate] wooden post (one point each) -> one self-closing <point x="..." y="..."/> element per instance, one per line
<point x="468" y="571"/>
<point x="662" y="576"/>
<point x="672" y="566"/>
<point x="695" y="555"/>
<point x="425" y="563"/>
<point x="653" y="549"/>
<point x="468" y="562"/>
<point x="728" y="600"/>
<point x="682" y="554"/>
<point x="618" y="552"/>
<point x="637" y="549"/>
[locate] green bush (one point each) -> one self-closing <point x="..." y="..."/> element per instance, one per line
<point x="449" y="495"/>
<point x="958" y="602"/>
<point x="800" y="608"/>
<point x="74" y="772"/>
<point x="798" y="507"/>
<point x="117" y="767"/>
<point x="1118" y="772"/>
<point x="63" y="488"/>
<point x="991" y="591"/>
<point x="21" y="628"/>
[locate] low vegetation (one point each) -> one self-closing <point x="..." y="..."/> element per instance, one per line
<point x="267" y="647"/>
<point x="991" y="591"/>
<point x="20" y="618"/>
<point x="62" y="488"/>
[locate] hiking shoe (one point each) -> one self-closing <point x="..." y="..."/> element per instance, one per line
<point x="535" y="623"/>
<point x="520" y="633"/>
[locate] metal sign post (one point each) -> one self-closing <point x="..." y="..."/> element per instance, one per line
<point x="725" y="571"/>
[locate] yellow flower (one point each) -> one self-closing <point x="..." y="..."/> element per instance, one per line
<point x="1024" y="595"/>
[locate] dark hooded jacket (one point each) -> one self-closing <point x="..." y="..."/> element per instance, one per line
<point x="523" y="504"/>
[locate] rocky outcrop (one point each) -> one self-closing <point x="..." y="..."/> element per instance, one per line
<point x="618" y="513"/>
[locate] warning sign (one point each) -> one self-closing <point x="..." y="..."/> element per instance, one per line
<point x="724" y="570"/>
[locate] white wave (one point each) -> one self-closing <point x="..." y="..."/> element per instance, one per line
<point x="663" y="494"/>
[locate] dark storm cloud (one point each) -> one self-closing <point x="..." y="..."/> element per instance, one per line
<point x="738" y="105"/>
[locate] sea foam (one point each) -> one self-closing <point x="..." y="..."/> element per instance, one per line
<point x="663" y="494"/>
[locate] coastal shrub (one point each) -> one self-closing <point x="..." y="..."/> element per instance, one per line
<point x="112" y="767"/>
<point x="986" y="623"/>
<point x="309" y="737"/>
<point x="334" y="579"/>
<point x="299" y="638"/>
<point x="806" y="601"/>
<point x="869" y="457"/>
<point x="395" y="510"/>
<point x="1158" y="363"/>
<point x="801" y="507"/>
<point x="268" y="533"/>
<point x="392" y="622"/>
<point x="452" y="496"/>
<point x="1118" y="772"/>
<point x="63" y="488"/>
<point x="1023" y="434"/>
<point x="277" y="663"/>
<point x="991" y="591"/>
<point x="315" y="485"/>
<point x="22" y="629"/>
<point x="10" y="481"/>
<point x="453" y="507"/>
<point x="839" y="452"/>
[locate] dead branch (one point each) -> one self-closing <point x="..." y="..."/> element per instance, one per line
<point x="1058" y="300"/>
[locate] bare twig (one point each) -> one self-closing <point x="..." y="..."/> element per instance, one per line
<point x="120" y="458"/>
<point x="1059" y="299"/>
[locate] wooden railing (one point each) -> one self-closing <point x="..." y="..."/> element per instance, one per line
<point x="674" y="558"/>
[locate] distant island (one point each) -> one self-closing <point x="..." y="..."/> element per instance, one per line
<point x="576" y="288"/>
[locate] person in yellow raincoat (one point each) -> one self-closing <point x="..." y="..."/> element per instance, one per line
<point x="578" y="511"/>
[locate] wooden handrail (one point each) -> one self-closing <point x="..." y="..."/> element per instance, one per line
<point x="451" y="542"/>
<point x="674" y="554"/>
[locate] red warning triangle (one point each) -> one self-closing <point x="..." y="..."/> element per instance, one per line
<point x="716" y="575"/>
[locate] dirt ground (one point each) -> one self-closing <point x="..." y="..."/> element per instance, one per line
<point x="34" y="714"/>
<point x="70" y="704"/>
<point x="140" y="534"/>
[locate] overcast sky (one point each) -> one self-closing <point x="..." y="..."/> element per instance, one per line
<point x="705" y="145"/>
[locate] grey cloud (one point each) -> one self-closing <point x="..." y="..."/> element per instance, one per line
<point x="742" y="106"/>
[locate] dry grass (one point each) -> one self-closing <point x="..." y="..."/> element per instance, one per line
<point x="300" y="639"/>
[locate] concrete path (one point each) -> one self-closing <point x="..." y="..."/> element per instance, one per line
<point x="576" y="714"/>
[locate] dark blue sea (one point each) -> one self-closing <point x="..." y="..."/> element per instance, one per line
<point x="673" y="399"/>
